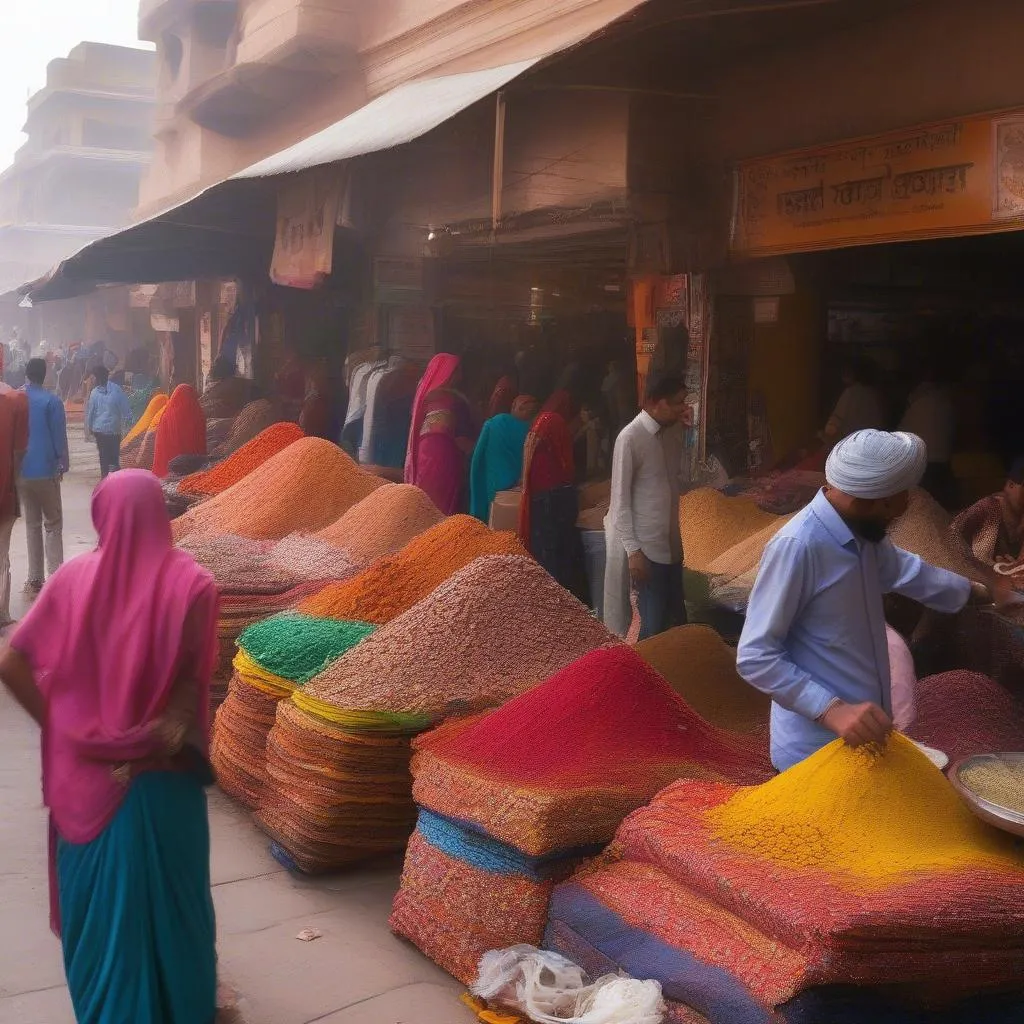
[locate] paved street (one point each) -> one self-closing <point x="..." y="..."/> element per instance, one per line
<point x="357" y="973"/>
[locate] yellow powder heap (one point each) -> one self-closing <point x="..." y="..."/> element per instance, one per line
<point x="871" y="816"/>
<point x="711" y="523"/>
<point x="301" y="489"/>
<point x="701" y="667"/>
<point x="382" y="523"/>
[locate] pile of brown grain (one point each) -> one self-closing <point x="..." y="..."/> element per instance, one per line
<point x="741" y="561"/>
<point x="382" y="523"/>
<point x="711" y="523"/>
<point x="701" y="667"/>
<point x="303" y="488"/>
<point x="924" y="529"/>
<point x="496" y="628"/>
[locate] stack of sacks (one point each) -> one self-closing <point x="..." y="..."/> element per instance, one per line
<point x="711" y="524"/>
<point x="249" y="423"/>
<point x="701" y="667"/>
<point x="249" y="457"/>
<point x="511" y="801"/>
<point x="392" y="585"/>
<point x="275" y="657"/>
<point x="338" y="785"/>
<point x="181" y="431"/>
<point x="302" y="488"/>
<point x="382" y="523"/>
<point x="964" y="713"/>
<point x="856" y="886"/>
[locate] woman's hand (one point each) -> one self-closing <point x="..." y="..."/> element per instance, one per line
<point x="16" y="674"/>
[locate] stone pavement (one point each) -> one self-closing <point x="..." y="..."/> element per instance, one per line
<point x="356" y="973"/>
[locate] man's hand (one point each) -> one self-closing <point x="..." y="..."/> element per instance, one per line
<point x="639" y="568"/>
<point x="858" y="724"/>
<point x="1001" y="590"/>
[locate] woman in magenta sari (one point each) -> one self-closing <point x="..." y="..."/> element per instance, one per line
<point x="114" y="661"/>
<point x="441" y="436"/>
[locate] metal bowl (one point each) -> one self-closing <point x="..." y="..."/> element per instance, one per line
<point x="1001" y="817"/>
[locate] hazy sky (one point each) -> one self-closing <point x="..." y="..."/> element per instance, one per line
<point x="33" y="32"/>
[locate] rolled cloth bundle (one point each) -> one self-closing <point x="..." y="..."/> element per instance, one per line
<point x="511" y="800"/>
<point x="303" y="488"/>
<point x="710" y="524"/>
<point x="142" y="424"/>
<point x="249" y="423"/>
<point x="494" y="629"/>
<point x="382" y="523"/>
<point x="249" y="457"/>
<point x="275" y="657"/>
<point x="855" y="886"/>
<point x="394" y="584"/>
<point x="701" y="667"/>
<point x="182" y="429"/>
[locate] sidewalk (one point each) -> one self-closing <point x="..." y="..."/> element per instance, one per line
<point x="356" y="973"/>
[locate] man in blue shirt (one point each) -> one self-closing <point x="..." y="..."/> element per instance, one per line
<point x="107" y="418"/>
<point x="45" y="462"/>
<point x="814" y="638"/>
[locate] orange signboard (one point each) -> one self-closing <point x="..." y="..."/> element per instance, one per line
<point x="960" y="177"/>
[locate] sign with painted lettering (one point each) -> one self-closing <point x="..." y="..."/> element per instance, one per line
<point x="960" y="177"/>
<point x="307" y="212"/>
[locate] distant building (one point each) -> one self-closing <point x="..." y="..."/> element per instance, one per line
<point x="77" y="176"/>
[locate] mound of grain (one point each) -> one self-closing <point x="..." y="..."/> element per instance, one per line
<point x="265" y="445"/>
<point x="924" y="529"/>
<point x="392" y="585"/>
<point x="303" y="488"/>
<point x="308" y="558"/>
<point x="493" y="630"/>
<point x="711" y="523"/>
<point x="701" y="667"/>
<point x="742" y="560"/>
<point x="382" y="523"/>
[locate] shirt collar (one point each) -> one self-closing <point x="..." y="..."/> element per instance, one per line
<point x="649" y="423"/>
<point x="832" y="520"/>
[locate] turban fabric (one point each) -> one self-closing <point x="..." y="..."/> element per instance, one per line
<point x="875" y="464"/>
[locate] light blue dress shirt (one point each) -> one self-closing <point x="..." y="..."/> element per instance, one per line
<point x="815" y="627"/>
<point x="108" y="411"/>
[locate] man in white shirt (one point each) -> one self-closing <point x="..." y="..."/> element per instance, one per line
<point x="930" y="415"/>
<point x="644" y="548"/>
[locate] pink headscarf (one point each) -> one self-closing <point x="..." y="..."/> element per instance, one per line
<point x="439" y="372"/>
<point x="106" y="641"/>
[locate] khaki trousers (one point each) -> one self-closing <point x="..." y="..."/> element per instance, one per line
<point x="44" y="515"/>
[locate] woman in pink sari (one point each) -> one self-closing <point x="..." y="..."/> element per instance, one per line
<point x="114" y="663"/>
<point x="441" y="435"/>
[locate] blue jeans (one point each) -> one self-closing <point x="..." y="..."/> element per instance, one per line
<point x="661" y="600"/>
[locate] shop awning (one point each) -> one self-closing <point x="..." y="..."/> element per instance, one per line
<point x="229" y="227"/>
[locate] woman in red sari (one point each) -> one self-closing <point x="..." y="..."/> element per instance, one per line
<point x="550" y="503"/>
<point x="441" y="435"/>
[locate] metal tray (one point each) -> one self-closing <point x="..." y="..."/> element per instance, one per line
<point x="1001" y="817"/>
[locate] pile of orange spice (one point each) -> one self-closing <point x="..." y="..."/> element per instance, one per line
<point x="249" y="457"/>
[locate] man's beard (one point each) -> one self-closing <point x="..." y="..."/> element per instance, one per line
<point x="873" y="531"/>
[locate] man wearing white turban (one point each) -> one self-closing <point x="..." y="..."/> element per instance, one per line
<point x="814" y="638"/>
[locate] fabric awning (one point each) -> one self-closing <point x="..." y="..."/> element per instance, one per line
<point x="228" y="227"/>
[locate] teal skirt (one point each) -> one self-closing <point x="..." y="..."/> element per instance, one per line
<point x="137" y="922"/>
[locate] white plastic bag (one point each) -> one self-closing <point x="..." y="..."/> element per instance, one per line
<point x="550" y="989"/>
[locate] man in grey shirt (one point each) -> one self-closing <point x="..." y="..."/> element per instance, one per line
<point x="644" y="548"/>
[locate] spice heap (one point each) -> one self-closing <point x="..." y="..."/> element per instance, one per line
<point x="924" y="529"/>
<point x="765" y="903"/>
<point x="382" y="523"/>
<point x="964" y="713"/>
<point x="701" y="667"/>
<point x="997" y="780"/>
<point x="275" y="657"/>
<point x="249" y="423"/>
<point x="496" y="628"/>
<point x="142" y="424"/>
<point x="392" y="585"/>
<point x="711" y="523"/>
<point x="249" y="457"/>
<point x="737" y="567"/>
<point x="217" y="432"/>
<point x="181" y="431"/>
<point x="305" y="487"/>
<point x="511" y="801"/>
<point x="139" y="454"/>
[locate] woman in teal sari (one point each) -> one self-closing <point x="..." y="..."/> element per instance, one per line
<point x="114" y="662"/>
<point x="498" y="456"/>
